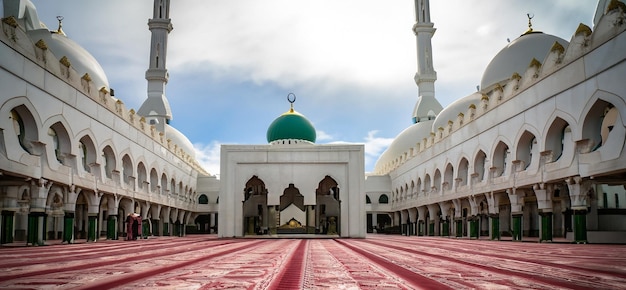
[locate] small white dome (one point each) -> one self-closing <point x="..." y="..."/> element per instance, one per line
<point x="181" y="140"/>
<point x="516" y="57"/>
<point x="451" y="112"/>
<point x="403" y="143"/>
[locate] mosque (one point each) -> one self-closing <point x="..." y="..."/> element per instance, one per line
<point x="536" y="153"/>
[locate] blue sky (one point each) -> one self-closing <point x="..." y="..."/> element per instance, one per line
<point x="350" y="63"/>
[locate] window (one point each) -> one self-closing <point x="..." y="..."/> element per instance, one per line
<point x="383" y="199"/>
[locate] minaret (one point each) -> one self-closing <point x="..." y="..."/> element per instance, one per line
<point x="427" y="107"/>
<point x="156" y="109"/>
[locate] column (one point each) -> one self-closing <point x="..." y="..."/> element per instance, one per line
<point x="546" y="226"/>
<point x="35" y="232"/>
<point x="166" y="228"/>
<point x="459" y="227"/>
<point x="112" y="227"/>
<point x="92" y="228"/>
<point x="7" y="227"/>
<point x="155" y="227"/>
<point x="494" y="220"/>
<point x="516" y="225"/>
<point x="68" y="227"/>
<point x="420" y="228"/>
<point x="580" y="226"/>
<point x="145" y="228"/>
<point x="579" y="196"/>
<point x="473" y="224"/>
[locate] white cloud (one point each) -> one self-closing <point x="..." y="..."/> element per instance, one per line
<point x="374" y="146"/>
<point x="208" y="155"/>
<point x="322" y="136"/>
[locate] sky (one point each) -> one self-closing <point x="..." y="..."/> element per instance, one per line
<point x="350" y="63"/>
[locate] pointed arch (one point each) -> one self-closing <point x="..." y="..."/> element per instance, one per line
<point x="87" y="152"/>
<point x="25" y="127"/>
<point x="448" y="176"/>
<point x="500" y="159"/>
<point x="480" y="160"/>
<point x="463" y="172"/>
<point x="527" y="149"/>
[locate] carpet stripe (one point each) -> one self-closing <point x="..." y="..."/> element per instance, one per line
<point x="292" y="272"/>
<point x="411" y="277"/>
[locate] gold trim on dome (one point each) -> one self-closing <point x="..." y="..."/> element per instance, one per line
<point x="11" y="21"/>
<point x="516" y="76"/>
<point x="102" y="89"/>
<point x="41" y="45"/>
<point x="582" y="28"/>
<point x="557" y="47"/>
<point x="472" y="106"/>
<point x="65" y="61"/>
<point x="461" y="115"/>
<point x="614" y="4"/>
<point x="485" y="97"/>
<point x="87" y="78"/>
<point x="535" y="63"/>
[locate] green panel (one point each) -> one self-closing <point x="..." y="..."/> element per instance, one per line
<point x="516" y="224"/>
<point x="155" y="227"/>
<point x="7" y="227"/>
<point x="145" y="228"/>
<point x="445" y="229"/>
<point x="68" y="228"/>
<point x="580" y="227"/>
<point x="420" y="228"/>
<point x="34" y="232"/>
<point x="474" y="228"/>
<point x="92" y="228"/>
<point x="166" y="229"/>
<point x="459" y="228"/>
<point x="495" y="228"/>
<point x="546" y="227"/>
<point x="431" y="228"/>
<point x="112" y="228"/>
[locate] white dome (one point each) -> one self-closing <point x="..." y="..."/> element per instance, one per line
<point x="81" y="60"/>
<point x="406" y="140"/>
<point x="180" y="139"/>
<point x="516" y="57"/>
<point x="451" y="112"/>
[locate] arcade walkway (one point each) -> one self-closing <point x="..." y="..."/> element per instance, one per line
<point x="389" y="262"/>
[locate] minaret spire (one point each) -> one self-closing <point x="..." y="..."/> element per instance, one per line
<point x="156" y="108"/>
<point x="427" y="107"/>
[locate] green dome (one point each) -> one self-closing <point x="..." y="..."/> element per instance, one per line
<point x="291" y="125"/>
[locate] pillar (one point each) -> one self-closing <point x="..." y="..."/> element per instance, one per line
<point x="7" y="227"/>
<point x="145" y="228"/>
<point x="112" y="227"/>
<point x="155" y="227"/>
<point x="546" y="226"/>
<point x="580" y="226"/>
<point x="473" y="223"/>
<point x="420" y="228"/>
<point x="494" y="220"/>
<point x="92" y="228"/>
<point x="516" y="224"/>
<point x="166" y="228"/>
<point x="459" y="228"/>
<point x="36" y="229"/>
<point x="68" y="227"/>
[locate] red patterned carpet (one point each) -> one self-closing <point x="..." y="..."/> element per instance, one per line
<point x="378" y="262"/>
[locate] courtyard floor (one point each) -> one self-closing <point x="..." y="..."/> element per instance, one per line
<point x="377" y="262"/>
